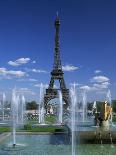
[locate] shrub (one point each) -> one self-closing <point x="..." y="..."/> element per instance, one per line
<point x="59" y="130"/>
<point x="27" y="127"/>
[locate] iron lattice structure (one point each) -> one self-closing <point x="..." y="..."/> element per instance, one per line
<point x="57" y="74"/>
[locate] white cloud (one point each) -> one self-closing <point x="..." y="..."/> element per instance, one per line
<point x="25" y="90"/>
<point x="19" y="62"/>
<point x="87" y="88"/>
<point x="39" y="85"/>
<point x="35" y="70"/>
<point x="4" y="72"/>
<point x="33" y="80"/>
<point x="76" y="84"/>
<point x="38" y="71"/>
<point x="45" y="85"/>
<point x="16" y="73"/>
<point x="5" y="77"/>
<point x="99" y="84"/>
<point x="96" y="87"/>
<point x="21" y="80"/>
<point x="101" y="92"/>
<point x="26" y="80"/>
<point x="34" y="62"/>
<point x="69" y="68"/>
<point x="103" y="85"/>
<point x="100" y="79"/>
<point x="97" y="71"/>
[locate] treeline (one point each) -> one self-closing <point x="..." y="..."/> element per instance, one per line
<point x="90" y="105"/>
<point x="34" y="106"/>
<point x="114" y="105"/>
<point x="31" y="105"/>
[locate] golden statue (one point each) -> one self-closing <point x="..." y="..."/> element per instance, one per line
<point x="103" y="116"/>
<point x="106" y="111"/>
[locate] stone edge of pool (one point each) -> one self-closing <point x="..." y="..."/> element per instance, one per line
<point x="3" y="136"/>
<point x="82" y="136"/>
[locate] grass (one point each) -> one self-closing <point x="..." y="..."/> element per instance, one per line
<point x="29" y="128"/>
<point x="5" y="129"/>
<point x="50" y="119"/>
<point x="37" y="129"/>
<point x="41" y="129"/>
<point x="114" y="119"/>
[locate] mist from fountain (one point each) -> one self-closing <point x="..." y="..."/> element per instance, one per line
<point x="23" y="108"/>
<point x="41" y="106"/>
<point x="39" y="112"/>
<point x="110" y="135"/>
<point x="0" y="107"/>
<point x="73" y="117"/>
<point x="14" y="114"/>
<point x="84" y="106"/>
<point x="60" y="107"/>
<point x="109" y="97"/>
<point x="42" y="117"/>
<point x="3" y="105"/>
<point x="94" y="105"/>
<point x="109" y="100"/>
<point x="17" y="108"/>
<point x="94" y="108"/>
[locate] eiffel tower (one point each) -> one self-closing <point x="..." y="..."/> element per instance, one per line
<point x="56" y="74"/>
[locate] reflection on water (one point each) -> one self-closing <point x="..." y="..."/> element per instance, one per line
<point x="54" y="145"/>
<point x="91" y="127"/>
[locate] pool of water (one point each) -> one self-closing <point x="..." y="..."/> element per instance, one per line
<point x="96" y="128"/>
<point x="52" y="145"/>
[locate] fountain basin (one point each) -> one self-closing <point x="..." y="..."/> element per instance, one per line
<point x="94" y="137"/>
<point x="54" y="145"/>
<point x="13" y="147"/>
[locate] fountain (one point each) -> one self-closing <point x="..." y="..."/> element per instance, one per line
<point x="84" y="106"/>
<point x="14" y="110"/>
<point x="60" y="107"/>
<point x="96" y="135"/>
<point x="73" y="119"/>
<point x="41" y="109"/>
<point x="42" y="116"/>
<point x="17" y="108"/>
<point x="22" y="108"/>
<point x="109" y="97"/>
<point x="109" y="100"/>
<point x="110" y="135"/>
<point x="39" y="112"/>
<point x="94" y="108"/>
<point x="51" y="110"/>
<point x="0" y="108"/>
<point x="100" y="137"/>
<point x="14" y="115"/>
<point x="3" y="104"/>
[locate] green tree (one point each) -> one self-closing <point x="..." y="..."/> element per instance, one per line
<point x="31" y="105"/>
<point x="114" y="105"/>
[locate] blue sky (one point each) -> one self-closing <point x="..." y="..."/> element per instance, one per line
<point x="87" y="44"/>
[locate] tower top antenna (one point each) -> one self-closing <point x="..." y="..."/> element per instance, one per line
<point x="57" y="14"/>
